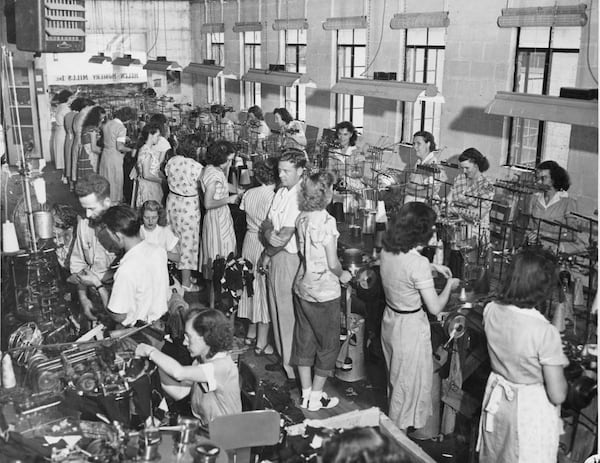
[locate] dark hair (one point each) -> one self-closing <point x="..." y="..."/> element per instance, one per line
<point x="218" y="152"/>
<point x="126" y="114"/>
<point x="265" y="172"/>
<point x="295" y="156"/>
<point x="160" y="120"/>
<point x="284" y="114"/>
<point x="94" y="117"/>
<point x="77" y="104"/>
<point x="147" y="130"/>
<point x="65" y="216"/>
<point x="411" y="226"/>
<point x="428" y="137"/>
<point x="350" y="128"/>
<point x="361" y="445"/>
<point x="531" y="276"/>
<point x="188" y="147"/>
<point x="473" y="155"/>
<point x="88" y="102"/>
<point x="154" y="206"/>
<point x="315" y="193"/>
<point x="93" y="183"/>
<point x="214" y="327"/>
<point x="558" y="175"/>
<point x="63" y="96"/>
<point x="257" y="112"/>
<point x="123" y="219"/>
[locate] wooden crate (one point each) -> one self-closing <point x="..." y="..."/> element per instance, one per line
<point x="371" y="417"/>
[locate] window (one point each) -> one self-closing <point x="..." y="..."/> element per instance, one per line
<point x="215" y="43"/>
<point x="424" y="63"/>
<point x="295" y="61"/>
<point x="251" y="60"/>
<point x="351" y="62"/>
<point x="546" y="60"/>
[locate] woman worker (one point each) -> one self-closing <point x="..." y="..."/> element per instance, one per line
<point x="212" y="381"/>
<point x="345" y="160"/>
<point x="63" y="99"/>
<point x="407" y="282"/>
<point x="425" y="183"/>
<point x="292" y="131"/>
<point x="470" y="196"/>
<point x="520" y="419"/>
<point x="552" y="205"/>
<point x="259" y="130"/>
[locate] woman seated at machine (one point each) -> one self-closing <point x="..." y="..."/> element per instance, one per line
<point x="291" y="131"/>
<point x="346" y="162"/>
<point x="551" y="208"/>
<point x="425" y="181"/>
<point x="212" y="381"/>
<point x="471" y="195"/>
<point x="258" y="128"/>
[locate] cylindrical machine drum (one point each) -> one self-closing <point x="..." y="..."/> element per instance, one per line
<point x="356" y="336"/>
<point x="44" y="224"/>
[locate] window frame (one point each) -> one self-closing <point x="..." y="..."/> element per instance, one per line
<point x="251" y="91"/>
<point x="219" y="81"/>
<point x="340" y="107"/>
<point x="298" y="92"/>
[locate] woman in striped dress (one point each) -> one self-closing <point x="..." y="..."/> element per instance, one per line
<point x="257" y="202"/>
<point x="218" y="234"/>
<point x="87" y="161"/>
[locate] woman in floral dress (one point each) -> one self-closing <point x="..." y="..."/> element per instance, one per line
<point x="183" y="206"/>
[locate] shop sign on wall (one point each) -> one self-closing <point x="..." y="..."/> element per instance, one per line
<point x="74" y="69"/>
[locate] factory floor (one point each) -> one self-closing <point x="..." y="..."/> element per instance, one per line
<point x="364" y="393"/>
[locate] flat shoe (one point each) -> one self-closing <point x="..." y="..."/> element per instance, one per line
<point x="267" y="350"/>
<point x="249" y="341"/>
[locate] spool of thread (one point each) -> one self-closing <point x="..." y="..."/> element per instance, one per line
<point x="244" y="177"/>
<point x="39" y="187"/>
<point x="355" y="232"/>
<point x="381" y="215"/>
<point x="10" y="243"/>
<point x="8" y="373"/>
<point x="463" y="294"/>
<point x="578" y="292"/>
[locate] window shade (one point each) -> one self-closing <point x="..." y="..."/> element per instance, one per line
<point x="247" y="27"/>
<point x="211" y="28"/>
<point x="350" y="22"/>
<point x="546" y="16"/>
<point x="285" y="24"/>
<point x="414" y="20"/>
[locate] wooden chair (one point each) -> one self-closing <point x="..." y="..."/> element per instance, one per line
<point x="238" y="433"/>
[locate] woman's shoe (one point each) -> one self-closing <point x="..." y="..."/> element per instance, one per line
<point x="192" y="288"/>
<point x="267" y="350"/>
<point x="249" y="341"/>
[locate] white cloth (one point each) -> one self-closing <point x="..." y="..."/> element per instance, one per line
<point x="284" y="212"/>
<point x="161" y="236"/>
<point x="88" y="253"/>
<point x="141" y="286"/>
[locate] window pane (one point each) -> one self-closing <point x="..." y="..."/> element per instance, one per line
<point x="360" y="36"/>
<point x="345" y="36"/>
<point x="530" y="72"/>
<point x="417" y="36"/>
<point x="534" y="37"/>
<point x="566" y="37"/>
<point x="437" y="36"/>
<point x="360" y="56"/>
<point x="291" y="36"/>
<point x="302" y="36"/>
<point x="556" y="142"/>
<point x="564" y="72"/>
<point x="524" y="142"/>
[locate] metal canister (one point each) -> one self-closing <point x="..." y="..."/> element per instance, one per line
<point x="368" y="225"/>
<point x="44" y="224"/>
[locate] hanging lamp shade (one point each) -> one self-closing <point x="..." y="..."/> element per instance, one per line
<point x="265" y="76"/>
<point x="202" y="69"/>
<point x="545" y="108"/>
<point x="161" y="64"/>
<point x="386" y="89"/>
<point x="286" y="24"/>
<point x="99" y="58"/>
<point x="125" y="60"/>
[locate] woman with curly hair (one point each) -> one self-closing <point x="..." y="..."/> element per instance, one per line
<point x="407" y="282"/>
<point x="212" y="381"/>
<point x="256" y="202"/>
<point x="361" y="445"/>
<point x="218" y="234"/>
<point x="520" y="418"/>
<point x="317" y="292"/>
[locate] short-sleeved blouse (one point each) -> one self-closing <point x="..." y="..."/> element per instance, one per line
<point x="520" y="342"/>
<point x="315" y="282"/>
<point x="403" y="275"/>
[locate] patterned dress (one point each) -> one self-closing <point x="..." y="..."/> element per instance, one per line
<point x="218" y="234"/>
<point x="69" y="118"/>
<point x="183" y="207"/>
<point x="256" y="202"/>
<point x="148" y="189"/>
<point x="86" y="163"/>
